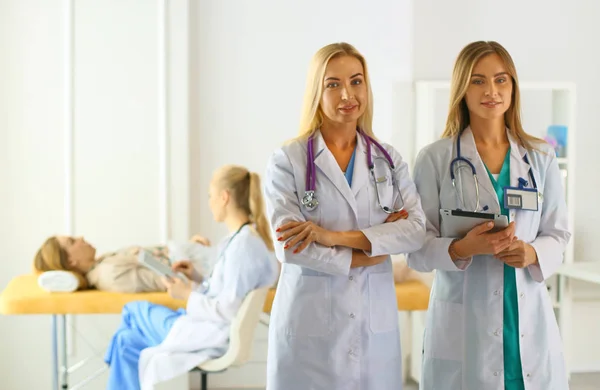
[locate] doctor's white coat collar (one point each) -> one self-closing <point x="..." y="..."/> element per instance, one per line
<point x="325" y="161"/>
<point x="518" y="166"/>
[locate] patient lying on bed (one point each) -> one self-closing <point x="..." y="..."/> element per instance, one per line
<point x="117" y="271"/>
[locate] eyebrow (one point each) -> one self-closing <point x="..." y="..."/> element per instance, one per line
<point x="336" y="79"/>
<point x="496" y="75"/>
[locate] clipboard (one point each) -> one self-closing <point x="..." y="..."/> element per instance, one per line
<point x="145" y="258"/>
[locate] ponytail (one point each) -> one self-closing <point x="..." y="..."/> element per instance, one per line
<point x="245" y="189"/>
<point x="257" y="211"/>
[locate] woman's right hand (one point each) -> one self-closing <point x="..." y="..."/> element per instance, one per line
<point x="479" y="241"/>
<point x="187" y="268"/>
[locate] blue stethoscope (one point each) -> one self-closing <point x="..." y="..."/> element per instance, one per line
<point x="310" y="202"/>
<point x="459" y="159"/>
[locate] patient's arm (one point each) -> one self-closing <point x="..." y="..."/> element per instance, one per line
<point x="199" y="239"/>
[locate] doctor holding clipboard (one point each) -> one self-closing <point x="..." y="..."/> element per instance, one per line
<point x="490" y="323"/>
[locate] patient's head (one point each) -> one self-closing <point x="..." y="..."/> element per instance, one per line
<point x="65" y="253"/>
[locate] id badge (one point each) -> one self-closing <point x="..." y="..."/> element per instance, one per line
<point x="521" y="198"/>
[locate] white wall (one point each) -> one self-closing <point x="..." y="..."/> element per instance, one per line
<point x="31" y="202"/>
<point x="116" y="151"/>
<point x="550" y="40"/>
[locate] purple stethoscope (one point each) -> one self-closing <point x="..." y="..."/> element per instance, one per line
<point x="310" y="202"/>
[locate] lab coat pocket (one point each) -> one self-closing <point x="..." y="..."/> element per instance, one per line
<point x="383" y="306"/>
<point x="305" y="304"/>
<point x="444" y="331"/>
<point x="528" y="224"/>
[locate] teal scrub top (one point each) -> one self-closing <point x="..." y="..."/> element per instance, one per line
<point x="513" y="372"/>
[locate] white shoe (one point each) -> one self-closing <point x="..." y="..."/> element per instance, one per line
<point x="58" y="281"/>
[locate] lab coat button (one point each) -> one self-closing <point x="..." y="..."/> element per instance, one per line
<point x="522" y="295"/>
<point x="522" y="335"/>
<point x="351" y="352"/>
<point x="495" y="373"/>
<point x="351" y="278"/>
<point x="528" y="375"/>
<point x="496" y="292"/>
<point x="352" y="315"/>
<point x="497" y="332"/>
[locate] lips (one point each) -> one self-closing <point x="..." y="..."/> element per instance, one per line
<point x="348" y="108"/>
<point x="491" y="104"/>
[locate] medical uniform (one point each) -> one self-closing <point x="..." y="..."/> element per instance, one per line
<point x="155" y="344"/>
<point x="334" y="327"/>
<point x="482" y="314"/>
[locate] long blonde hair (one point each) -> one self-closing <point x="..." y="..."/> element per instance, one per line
<point x="458" y="113"/>
<point x="53" y="257"/>
<point x="246" y="191"/>
<point x="312" y="114"/>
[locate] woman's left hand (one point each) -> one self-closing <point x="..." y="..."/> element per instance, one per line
<point x="303" y="233"/>
<point x="518" y="255"/>
<point x="177" y="288"/>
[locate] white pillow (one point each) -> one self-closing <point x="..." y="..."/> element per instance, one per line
<point x="58" y="281"/>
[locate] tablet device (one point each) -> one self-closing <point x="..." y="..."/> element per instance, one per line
<point x="149" y="261"/>
<point x="457" y="223"/>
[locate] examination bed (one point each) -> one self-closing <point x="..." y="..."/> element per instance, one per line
<point x="23" y="296"/>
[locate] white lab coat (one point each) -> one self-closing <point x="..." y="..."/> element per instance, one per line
<point x="463" y="347"/>
<point x="203" y="332"/>
<point x="334" y="327"/>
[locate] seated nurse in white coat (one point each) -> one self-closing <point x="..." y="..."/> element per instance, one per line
<point x="334" y="321"/>
<point x="490" y="323"/>
<point x="155" y="343"/>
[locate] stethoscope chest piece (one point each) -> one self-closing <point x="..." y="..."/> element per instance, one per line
<point x="309" y="201"/>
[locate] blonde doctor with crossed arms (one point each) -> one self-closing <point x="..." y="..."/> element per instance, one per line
<point x="340" y="203"/>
